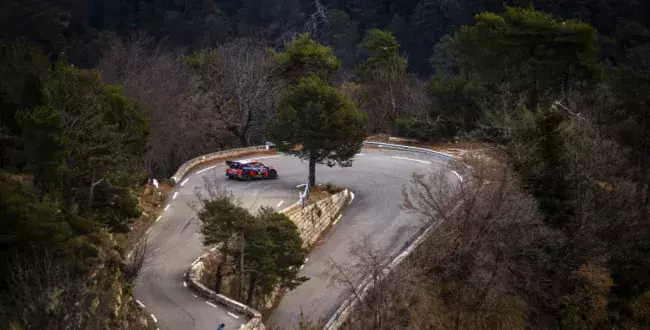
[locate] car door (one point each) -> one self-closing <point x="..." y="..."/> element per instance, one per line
<point x="258" y="170"/>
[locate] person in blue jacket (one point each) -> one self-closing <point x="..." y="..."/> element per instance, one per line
<point x="221" y="326"/>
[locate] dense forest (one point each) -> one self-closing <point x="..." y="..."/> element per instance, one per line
<point x="98" y="97"/>
<point x="79" y="27"/>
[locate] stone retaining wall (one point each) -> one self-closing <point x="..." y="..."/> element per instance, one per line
<point x="314" y="219"/>
<point x="255" y="322"/>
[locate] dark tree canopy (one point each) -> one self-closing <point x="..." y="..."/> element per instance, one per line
<point x="304" y="57"/>
<point x="78" y="27"/>
<point x="315" y="122"/>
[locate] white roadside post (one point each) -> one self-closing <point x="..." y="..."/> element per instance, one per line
<point x="304" y="196"/>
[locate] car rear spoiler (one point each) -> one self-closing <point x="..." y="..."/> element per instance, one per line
<point x="234" y="164"/>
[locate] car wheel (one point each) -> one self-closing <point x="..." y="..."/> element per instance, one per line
<point x="273" y="174"/>
<point x="246" y="176"/>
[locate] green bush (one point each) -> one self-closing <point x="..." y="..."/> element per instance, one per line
<point x="423" y="130"/>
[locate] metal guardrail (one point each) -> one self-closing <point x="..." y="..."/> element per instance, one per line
<point x="407" y="148"/>
<point x="416" y="149"/>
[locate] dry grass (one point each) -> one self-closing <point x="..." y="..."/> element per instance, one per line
<point x="150" y="202"/>
<point x="321" y="192"/>
<point x="378" y="138"/>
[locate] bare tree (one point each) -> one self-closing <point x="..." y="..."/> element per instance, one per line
<point x="316" y="20"/>
<point x="179" y="128"/>
<point x="377" y="296"/>
<point x="46" y="292"/>
<point x="485" y="261"/>
<point x="382" y="96"/>
<point x="388" y="94"/>
<point x="136" y="261"/>
<point x="238" y="85"/>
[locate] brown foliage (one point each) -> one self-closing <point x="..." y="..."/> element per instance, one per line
<point x="179" y="128"/>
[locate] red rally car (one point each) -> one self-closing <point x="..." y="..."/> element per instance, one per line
<point x="247" y="170"/>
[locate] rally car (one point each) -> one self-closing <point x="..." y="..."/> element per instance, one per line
<point x="246" y="170"/>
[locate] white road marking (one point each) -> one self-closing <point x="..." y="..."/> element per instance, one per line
<point x="265" y="157"/>
<point x="211" y="304"/>
<point x="175" y="195"/>
<point x="213" y="249"/>
<point x="337" y="219"/>
<point x="413" y="160"/>
<point x="154" y="318"/>
<point x="351" y="197"/>
<point x="306" y="259"/>
<point x="195" y="296"/>
<point x="195" y="261"/>
<point x="359" y="154"/>
<point x="458" y="175"/>
<point x="205" y="169"/>
<point x="184" y="182"/>
<point x="140" y="304"/>
<point x="167" y="207"/>
<point x="158" y="218"/>
<point x="301" y="267"/>
<point x="233" y="315"/>
<point x="301" y="185"/>
<point x="184" y="284"/>
<point x="280" y="203"/>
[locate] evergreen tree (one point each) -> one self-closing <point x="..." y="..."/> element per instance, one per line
<point x="385" y="81"/>
<point x="304" y="57"/>
<point x="315" y="122"/>
<point x="274" y="254"/>
<point x="531" y="51"/>
<point x="221" y="220"/>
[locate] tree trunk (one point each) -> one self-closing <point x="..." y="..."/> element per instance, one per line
<point x="91" y="195"/>
<point x="251" y="289"/>
<point x="312" y="170"/>
<point x="643" y="186"/>
<point x="222" y="262"/>
<point x="241" y="266"/>
<point x="242" y="139"/>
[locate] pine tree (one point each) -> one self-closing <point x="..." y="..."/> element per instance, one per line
<point x="315" y="122"/>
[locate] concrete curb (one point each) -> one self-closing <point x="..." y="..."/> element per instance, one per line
<point x="255" y="322"/>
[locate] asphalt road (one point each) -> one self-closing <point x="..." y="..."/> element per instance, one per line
<point x="376" y="179"/>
